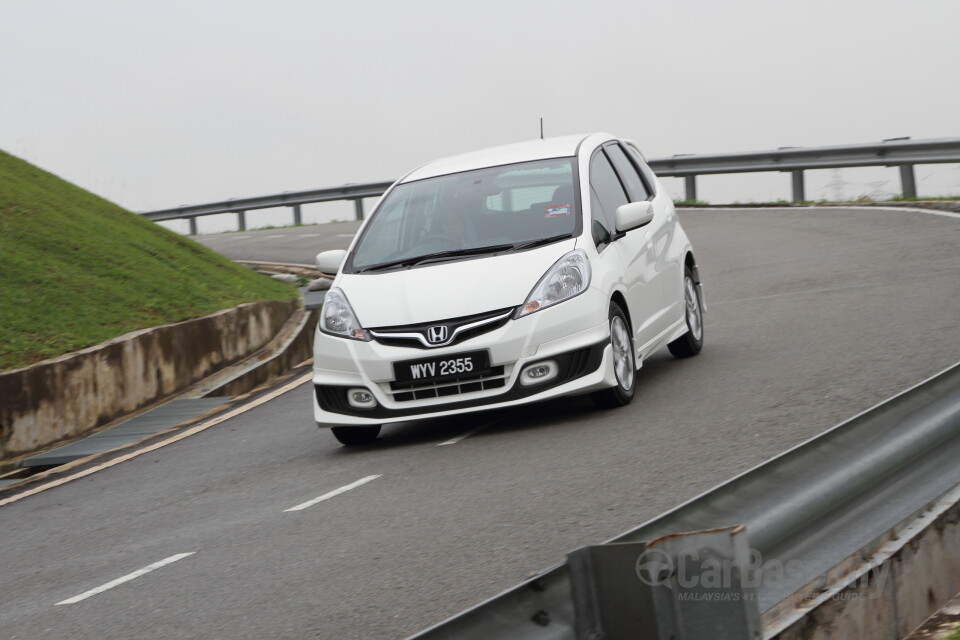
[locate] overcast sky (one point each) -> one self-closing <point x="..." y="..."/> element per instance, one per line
<point x="157" y="104"/>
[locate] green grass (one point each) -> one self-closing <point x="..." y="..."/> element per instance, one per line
<point x="76" y="270"/>
<point x="953" y="635"/>
<point x="859" y="200"/>
<point x="932" y="199"/>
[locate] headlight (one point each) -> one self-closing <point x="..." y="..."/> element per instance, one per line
<point x="568" y="277"/>
<point x="337" y="318"/>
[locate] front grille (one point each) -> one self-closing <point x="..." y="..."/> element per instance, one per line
<point x="492" y="378"/>
<point x="488" y="321"/>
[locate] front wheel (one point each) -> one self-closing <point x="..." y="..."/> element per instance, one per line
<point x="355" y="435"/>
<point x="624" y="363"/>
<point x="690" y="343"/>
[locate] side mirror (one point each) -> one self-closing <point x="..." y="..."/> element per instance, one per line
<point x="330" y="261"/>
<point x="632" y="215"/>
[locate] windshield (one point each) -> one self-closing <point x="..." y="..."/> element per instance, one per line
<point x="505" y="208"/>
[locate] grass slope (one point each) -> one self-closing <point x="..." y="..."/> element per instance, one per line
<point x="76" y="270"/>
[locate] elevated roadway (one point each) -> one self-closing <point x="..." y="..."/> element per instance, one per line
<point x="814" y="315"/>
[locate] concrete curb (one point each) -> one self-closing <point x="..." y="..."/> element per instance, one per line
<point x="62" y="399"/>
<point x="18" y="487"/>
<point x="291" y="346"/>
<point x="922" y="206"/>
<point x="888" y="593"/>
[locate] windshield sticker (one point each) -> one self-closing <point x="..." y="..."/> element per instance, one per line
<point x="556" y="210"/>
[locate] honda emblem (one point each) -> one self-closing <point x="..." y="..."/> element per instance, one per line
<point x="437" y="334"/>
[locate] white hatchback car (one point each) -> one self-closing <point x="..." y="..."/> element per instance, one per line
<point x="503" y="277"/>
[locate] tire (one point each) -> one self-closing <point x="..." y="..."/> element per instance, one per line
<point x="690" y="343"/>
<point x="356" y="435"/>
<point x="624" y="363"/>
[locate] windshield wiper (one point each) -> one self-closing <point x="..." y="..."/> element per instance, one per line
<point x="529" y="244"/>
<point x="458" y="253"/>
<point x="439" y="255"/>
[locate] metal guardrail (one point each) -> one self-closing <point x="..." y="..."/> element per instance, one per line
<point x="812" y="507"/>
<point x="292" y="199"/>
<point x="899" y="152"/>
<point x="896" y="152"/>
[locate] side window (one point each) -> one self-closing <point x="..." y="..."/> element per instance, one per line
<point x="636" y="189"/>
<point x="645" y="170"/>
<point x="606" y="195"/>
<point x="601" y="235"/>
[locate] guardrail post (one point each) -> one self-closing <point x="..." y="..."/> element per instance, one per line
<point x="296" y="214"/>
<point x="241" y="220"/>
<point x="908" y="181"/>
<point x="193" y="225"/>
<point x="358" y="208"/>
<point x="690" y="188"/>
<point x="696" y="586"/>
<point x="798" y="195"/>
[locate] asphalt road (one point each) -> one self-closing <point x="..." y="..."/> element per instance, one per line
<point x="287" y="244"/>
<point x="814" y="315"/>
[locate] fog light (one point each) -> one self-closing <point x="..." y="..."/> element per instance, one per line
<point x="361" y="399"/>
<point x="539" y="372"/>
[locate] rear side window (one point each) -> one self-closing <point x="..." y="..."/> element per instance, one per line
<point x="636" y="188"/>
<point x="606" y="195"/>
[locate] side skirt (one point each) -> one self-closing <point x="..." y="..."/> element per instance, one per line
<point x="668" y="335"/>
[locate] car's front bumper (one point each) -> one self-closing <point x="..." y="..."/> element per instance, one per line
<point x="574" y="334"/>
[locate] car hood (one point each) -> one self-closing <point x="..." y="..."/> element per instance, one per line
<point x="448" y="289"/>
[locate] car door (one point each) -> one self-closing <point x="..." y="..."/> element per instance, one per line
<point x="668" y="252"/>
<point x="648" y="269"/>
<point x="628" y="254"/>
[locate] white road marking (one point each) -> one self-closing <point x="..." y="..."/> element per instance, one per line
<point x="932" y="212"/>
<point x="153" y="447"/>
<point x="240" y="237"/>
<point x="126" y="578"/>
<point x="308" y="235"/>
<point x="344" y="235"/>
<point x="335" y="492"/>
<point x="275" y="236"/>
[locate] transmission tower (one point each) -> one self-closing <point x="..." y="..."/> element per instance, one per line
<point x="876" y="192"/>
<point x="837" y="184"/>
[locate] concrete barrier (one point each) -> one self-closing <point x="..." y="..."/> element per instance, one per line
<point x="886" y="593"/>
<point x="293" y="345"/>
<point x="72" y="395"/>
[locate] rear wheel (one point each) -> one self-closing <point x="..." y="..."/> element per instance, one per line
<point x="356" y="435"/>
<point x="624" y="363"/>
<point x="690" y="343"/>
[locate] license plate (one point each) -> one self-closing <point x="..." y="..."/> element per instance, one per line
<point x="442" y="367"/>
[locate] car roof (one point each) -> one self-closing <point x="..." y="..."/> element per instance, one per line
<point x="559" y="147"/>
